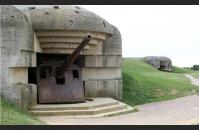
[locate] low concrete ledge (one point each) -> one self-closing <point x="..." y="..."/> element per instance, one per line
<point x="21" y="94"/>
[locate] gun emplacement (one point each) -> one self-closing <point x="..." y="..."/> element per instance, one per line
<point x="70" y="59"/>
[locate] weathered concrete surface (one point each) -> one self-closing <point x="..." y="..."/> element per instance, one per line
<point x="98" y="107"/>
<point x="104" y="88"/>
<point x="113" y="44"/>
<point x="21" y="94"/>
<point x="18" y="75"/>
<point x="16" y="42"/>
<point x="103" y="61"/>
<point x="194" y="81"/>
<point x="66" y="17"/>
<point x="65" y="41"/>
<point x="101" y="73"/>
<point x="179" y="111"/>
<point x="159" y="62"/>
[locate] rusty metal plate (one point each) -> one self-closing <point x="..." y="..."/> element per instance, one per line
<point x="49" y="91"/>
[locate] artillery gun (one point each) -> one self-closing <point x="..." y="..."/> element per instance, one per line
<point x="62" y="83"/>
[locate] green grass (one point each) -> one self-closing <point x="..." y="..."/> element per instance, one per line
<point x="142" y="83"/>
<point x="185" y="71"/>
<point x="12" y="115"/>
<point x="176" y="69"/>
<point x="195" y="74"/>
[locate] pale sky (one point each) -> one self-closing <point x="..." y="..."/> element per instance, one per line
<point x="158" y="30"/>
<point x="155" y="30"/>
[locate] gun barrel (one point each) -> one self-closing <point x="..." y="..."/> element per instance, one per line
<point x="70" y="59"/>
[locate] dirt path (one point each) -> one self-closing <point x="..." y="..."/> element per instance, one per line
<point x="194" y="81"/>
<point x="183" y="110"/>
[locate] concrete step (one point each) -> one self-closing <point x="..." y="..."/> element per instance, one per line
<point x="128" y="109"/>
<point x="79" y="106"/>
<point x="94" y="111"/>
<point x="97" y="107"/>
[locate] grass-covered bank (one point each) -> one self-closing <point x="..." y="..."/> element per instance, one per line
<point x="142" y="83"/>
<point x="12" y="115"/>
<point x="181" y="70"/>
<point x="195" y="74"/>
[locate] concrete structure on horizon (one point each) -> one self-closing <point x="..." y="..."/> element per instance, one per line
<point x="160" y="62"/>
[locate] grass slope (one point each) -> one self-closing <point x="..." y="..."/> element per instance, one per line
<point x="181" y="70"/>
<point x="195" y="74"/>
<point x="185" y="71"/>
<point x="12" y="115"/>
<point x="142" y="83"/>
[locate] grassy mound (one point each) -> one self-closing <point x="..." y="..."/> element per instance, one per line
<point x="142" y="83"/>
<point x="12" y="115"/>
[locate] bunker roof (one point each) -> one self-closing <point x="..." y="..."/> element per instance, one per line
<point x="159" y="58"/>
<point x="65" y="18"/>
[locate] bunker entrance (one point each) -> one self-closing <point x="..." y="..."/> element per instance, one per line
<point x="58" y="76"/>
<point x="162" y="68"/>
<point x="163" y="65"/>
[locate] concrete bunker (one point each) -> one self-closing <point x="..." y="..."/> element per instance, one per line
<point x="48" y="35"/>
<point x="160" y="62"/>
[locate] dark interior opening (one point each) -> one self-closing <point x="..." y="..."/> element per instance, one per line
<point x="44" y="58"/>
<point x="56" y="59"/>
<point x="162" y="68"/>
<point x="60" y="80"/>
<point x="84" y="87"/>
<point x="56" y="7"/>
<point x="75" y="74"/>
<point x="44" y="72"/>
<point x="162" y="65"/>
<point x="32" y="75"/>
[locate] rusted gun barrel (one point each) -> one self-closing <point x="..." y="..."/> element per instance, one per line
<point x="70" y="59"/>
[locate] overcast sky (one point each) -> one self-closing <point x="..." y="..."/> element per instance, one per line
<point x="158" y="30"/>
<point x="155" y="30"/>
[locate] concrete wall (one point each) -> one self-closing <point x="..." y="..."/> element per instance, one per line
<point x="37" y="46"/>
<point x="102" y="73"/>
<point x="16" y="54"/>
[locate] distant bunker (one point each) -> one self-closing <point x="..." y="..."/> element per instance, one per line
<point x="160" y="62"/>
<point x="52" y="54"/>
